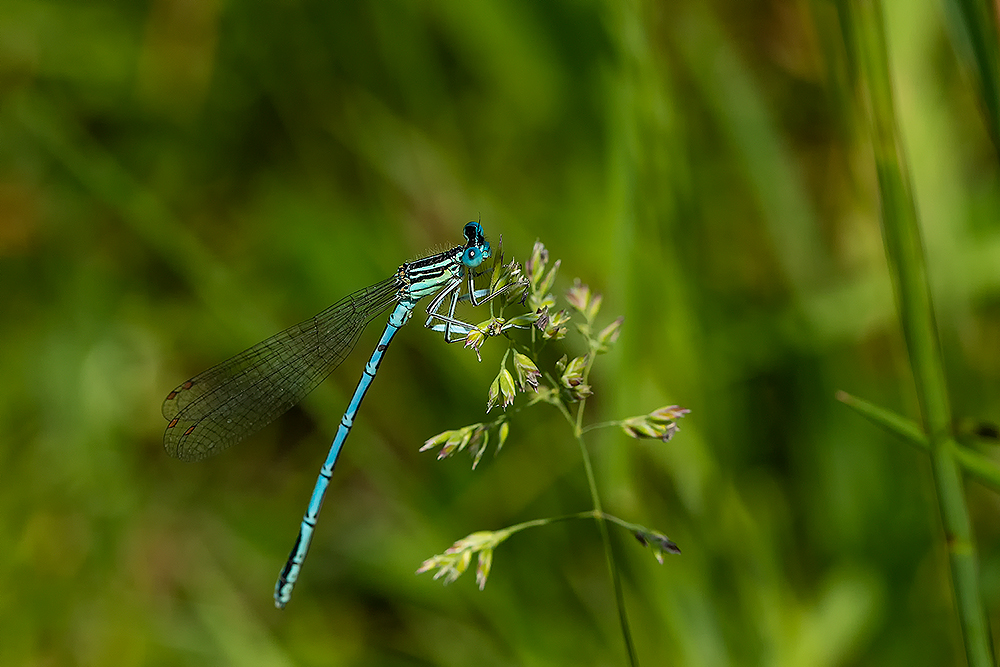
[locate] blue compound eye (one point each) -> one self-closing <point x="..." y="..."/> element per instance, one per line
<point x="472" y="257"/>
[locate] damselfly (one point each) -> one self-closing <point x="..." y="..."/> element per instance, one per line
<point x="225" y="404"/>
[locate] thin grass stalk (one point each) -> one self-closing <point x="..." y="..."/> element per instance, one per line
<point x="599" y="517"/>
<point x="609" y="554"/>
<point x="901" y="235"/>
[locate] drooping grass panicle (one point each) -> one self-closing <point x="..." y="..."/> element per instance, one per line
<point x="455" y="560"/>
<point x="551" y="368"/>
<point x="660" y="424"/>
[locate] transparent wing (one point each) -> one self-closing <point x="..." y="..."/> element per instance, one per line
<point x="223" y="405"/>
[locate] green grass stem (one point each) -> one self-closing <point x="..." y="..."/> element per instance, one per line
<point x="599" y="518"/>
<point x="903" y="245"/>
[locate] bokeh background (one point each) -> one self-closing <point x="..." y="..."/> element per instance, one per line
<point x="181" y="178"/>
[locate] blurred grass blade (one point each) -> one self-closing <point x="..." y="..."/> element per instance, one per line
<point x="904" y="251"/>
<point x="975" y="464"/>
<point x="978" y="23"/>
<point x="890" y="421"/>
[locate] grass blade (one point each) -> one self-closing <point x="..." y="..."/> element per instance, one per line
<point x="904" y="250"/>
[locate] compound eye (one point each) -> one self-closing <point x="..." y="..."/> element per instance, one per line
<point x="472" y="257"/>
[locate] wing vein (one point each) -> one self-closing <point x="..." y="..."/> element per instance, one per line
<point x="220" y="407"/>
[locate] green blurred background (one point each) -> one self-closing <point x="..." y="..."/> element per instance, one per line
<point x="181" y="178"/>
